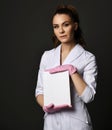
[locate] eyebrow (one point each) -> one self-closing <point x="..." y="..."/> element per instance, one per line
<point x="63" y="22"/>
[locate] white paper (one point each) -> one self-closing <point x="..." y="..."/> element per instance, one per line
<point x="56" y="88"/>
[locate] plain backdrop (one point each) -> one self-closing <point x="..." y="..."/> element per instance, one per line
<point x="25" y="34"/>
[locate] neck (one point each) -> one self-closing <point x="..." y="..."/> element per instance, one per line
<point x="67" y="47"/>
<point x="65" y="50"/>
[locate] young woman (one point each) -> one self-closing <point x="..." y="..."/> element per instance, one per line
<point x="69" y="54"/>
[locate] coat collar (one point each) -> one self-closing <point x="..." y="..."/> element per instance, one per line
<point x="74" y="54"/>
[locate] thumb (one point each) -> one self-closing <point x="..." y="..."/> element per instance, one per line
<point x="50" y="105"/>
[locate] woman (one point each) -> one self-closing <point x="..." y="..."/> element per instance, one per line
<point x="69" y="54"/>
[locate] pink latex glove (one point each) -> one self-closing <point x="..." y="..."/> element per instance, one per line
<point x="62" y="68"/>
<point x="52" y="108"/>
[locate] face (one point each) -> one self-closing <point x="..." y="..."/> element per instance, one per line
<point x="64" y="28"/>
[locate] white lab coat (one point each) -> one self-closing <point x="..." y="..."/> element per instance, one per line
<point x="77" y="118"/>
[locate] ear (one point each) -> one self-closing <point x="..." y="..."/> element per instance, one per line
<point x="75" y="26"/>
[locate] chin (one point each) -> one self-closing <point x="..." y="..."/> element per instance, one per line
<point x="64" y="41"/>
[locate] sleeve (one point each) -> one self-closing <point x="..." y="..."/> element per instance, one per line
<point x="39" y="85"/>
<point x="90" y="77"/>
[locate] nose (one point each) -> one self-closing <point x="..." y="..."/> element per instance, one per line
<point x="61" y="30"/>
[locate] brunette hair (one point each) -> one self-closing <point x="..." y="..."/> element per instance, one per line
<point x="72" y="12"/>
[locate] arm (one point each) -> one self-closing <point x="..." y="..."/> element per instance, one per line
<point x="39" y="90"/>
<point x="78" y="82"/>
<point x="86" y="85"/>
<point x="40" y="100"/>
<point x="39" y="87"/>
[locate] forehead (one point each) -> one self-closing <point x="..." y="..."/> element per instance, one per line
<point x="59" y="18"/>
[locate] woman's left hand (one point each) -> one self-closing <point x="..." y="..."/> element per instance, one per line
<point x="62" y="68"/>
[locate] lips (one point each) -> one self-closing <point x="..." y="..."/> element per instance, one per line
<point x="64" y="36"/>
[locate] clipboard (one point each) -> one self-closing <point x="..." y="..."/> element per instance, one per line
<point x="56" y="88"/>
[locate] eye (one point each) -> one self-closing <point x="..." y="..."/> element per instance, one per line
<point x="66" y="24"/>
<point x="55" y="26"/>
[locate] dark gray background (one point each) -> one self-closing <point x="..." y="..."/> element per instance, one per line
<point x="25" y="34"/>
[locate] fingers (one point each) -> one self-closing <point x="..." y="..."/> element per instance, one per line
<point x="50" y="106"/>
<point x="62" y="68"/>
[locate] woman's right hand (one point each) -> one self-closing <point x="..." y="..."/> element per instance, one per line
<point x="51" y="108"/>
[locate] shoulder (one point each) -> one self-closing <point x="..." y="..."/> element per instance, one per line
<point x="48" y="53"/>
<point x="86" y="58"/>
<point x="84" y="53"/>
<point x="51" y="52"/>
<point x="89" y="55"/>
<point x="89" y="60"/>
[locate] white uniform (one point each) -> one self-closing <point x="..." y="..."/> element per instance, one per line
<point x="77" y="118"/>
